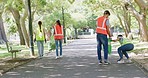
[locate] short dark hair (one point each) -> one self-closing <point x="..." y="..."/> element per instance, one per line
<point x="106" y="12"/>
<point x="119" y="36"/>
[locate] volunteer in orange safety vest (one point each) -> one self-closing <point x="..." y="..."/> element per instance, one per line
<point x="58" y="36"/>
<point x="102" y="31"/>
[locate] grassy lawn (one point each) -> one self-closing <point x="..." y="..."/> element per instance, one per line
<point x="25" y="53"/>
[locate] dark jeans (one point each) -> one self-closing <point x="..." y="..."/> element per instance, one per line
<point x="102" y="40"/>
<point x="58" y="43"/>
<point x="123" y="50"/>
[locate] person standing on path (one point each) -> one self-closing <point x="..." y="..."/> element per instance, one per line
<point x="40" y="38"/>
<point x="58" y="36"/>
<point x="102" y="31"/>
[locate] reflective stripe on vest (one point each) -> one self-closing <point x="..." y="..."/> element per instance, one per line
<point x="101" y="28"/>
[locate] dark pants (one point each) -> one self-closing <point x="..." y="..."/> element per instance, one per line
<point x="58" y="43"/>
<point x="123" y="50"/>
<point x="102" y="40"/>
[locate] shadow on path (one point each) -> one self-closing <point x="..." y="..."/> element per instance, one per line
<point x="79" y="61"/>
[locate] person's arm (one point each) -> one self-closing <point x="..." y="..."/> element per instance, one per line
<point x="115" y="40"/>
<point x="108" y="28"/>
<point x="44" y="34"/>
<point x="34" y="36"/>
<point x="108" y="31"/>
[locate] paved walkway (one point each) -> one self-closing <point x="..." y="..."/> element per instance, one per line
<point x="79" y="61"/>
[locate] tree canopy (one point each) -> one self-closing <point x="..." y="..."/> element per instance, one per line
<point x="128" y="14"/>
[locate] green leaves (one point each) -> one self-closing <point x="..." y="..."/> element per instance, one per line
<point x="71" y="1"/>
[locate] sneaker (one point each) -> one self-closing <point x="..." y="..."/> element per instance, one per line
<point x="129" y="61"/>
<point x="61" y="56"/>
<point x="57" y="57"/>
<point x="120" y="61"/>
<point x="100" y="62"/>
<point x="106" y="62"/>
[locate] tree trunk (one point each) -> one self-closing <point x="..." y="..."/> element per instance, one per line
<point x="122" y="25"/>
<point x="76" y="33"/>
<point x="143" y="28"/>
<point x="2" y="29"/>
<point x="16" y="16"/>
<point x="127" y="21"/>
<point x="23" y="27"/>
<point x="141" y="17"/>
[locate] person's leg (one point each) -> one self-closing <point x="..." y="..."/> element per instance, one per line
<point x="42" y="48"/>
<point x="38" y="45"/>
<point x="39" y="48"/>
<point x="99" y="47"/>
<point x="60" y="44"/>
<point x="127" y="47"/>
<point x="104" y="41"/>
<point x="120" y="53"/>
<point x="125" y="53"/>
<point x="56" y="43"/>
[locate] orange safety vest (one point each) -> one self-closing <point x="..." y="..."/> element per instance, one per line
<point x="58" y="32"/>
<point x="101" y="25"/>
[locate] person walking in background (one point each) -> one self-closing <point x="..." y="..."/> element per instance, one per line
<point x="48" y="35"/>
<point x="126" y="45"/>
<point x="58" y="36"/>
<point x="102" y="31"/>
<point x="40" y="38"/>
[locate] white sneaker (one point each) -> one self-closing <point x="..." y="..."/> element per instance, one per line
<point x="129" y="61"/>
<point x="57" y="57"/>
<point x="61" y="56"/>
<point x="120" y="62"/>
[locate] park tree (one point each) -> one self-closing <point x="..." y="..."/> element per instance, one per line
<point x="123" y="10"/>
<point x="122" y="14"/>
<point x="15" y="13"/>
<point x="2" y="31"/>
<point x="19" y="10"/>
<point x="140" y="14"/>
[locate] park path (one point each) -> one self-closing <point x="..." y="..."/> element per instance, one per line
<point x="79" y="61"/>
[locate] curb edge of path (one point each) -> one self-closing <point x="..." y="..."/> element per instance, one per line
<point x="141" y="66"/>
<point x="11" y="68"/>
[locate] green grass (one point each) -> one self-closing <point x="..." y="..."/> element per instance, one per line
<point x="23" y="54"/>
<point x="2" y="55"/>
<point x="140" y="51"/>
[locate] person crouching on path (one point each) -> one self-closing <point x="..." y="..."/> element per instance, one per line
<point x="40" y="38"/>
<point x="102" y="31"/>
<point x="58" y="36"/>
<point x="126" y="45"/>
